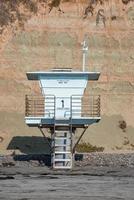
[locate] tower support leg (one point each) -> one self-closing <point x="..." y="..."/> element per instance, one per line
<point x="61" y="146"/>
<point x="44" y="136"/>
<point x="79" y="139"/>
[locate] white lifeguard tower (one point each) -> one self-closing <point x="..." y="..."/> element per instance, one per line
<point x="63" y="107"/>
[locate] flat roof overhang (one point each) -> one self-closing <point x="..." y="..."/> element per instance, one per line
<point x="41" y="74"/>
<point x="49" y="122"/>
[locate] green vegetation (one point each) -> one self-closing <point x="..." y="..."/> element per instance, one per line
<point x="87" y="147"/>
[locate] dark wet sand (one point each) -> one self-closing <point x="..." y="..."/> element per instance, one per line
<point x="92" y="183"/>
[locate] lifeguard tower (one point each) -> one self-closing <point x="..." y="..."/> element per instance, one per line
<point x="63" y="107"/>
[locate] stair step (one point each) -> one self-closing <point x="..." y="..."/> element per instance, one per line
<point x="62" y="131"/>
<point x="62" y="152"/>
<point x="63" y="167"/>
<point x="61" y="145"/>
<point x="61" y="138"/>
<point x="62" y="125"/>
<point x="61" y="135"/>
<point x="62" y="160"/>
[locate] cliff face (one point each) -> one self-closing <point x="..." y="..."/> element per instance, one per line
<point x="40" y="40"/>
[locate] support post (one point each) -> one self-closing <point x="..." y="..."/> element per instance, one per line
<point x="45" y="137"/>
<point x="84" y="49"/>
<point x="79" y="139"/>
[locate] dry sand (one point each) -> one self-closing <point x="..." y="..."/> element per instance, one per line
<point x="106" y="133"/>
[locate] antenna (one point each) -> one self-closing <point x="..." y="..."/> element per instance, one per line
<point x="84" y="49"/>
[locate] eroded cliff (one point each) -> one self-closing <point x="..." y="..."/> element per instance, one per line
<point x="33" y="37"/>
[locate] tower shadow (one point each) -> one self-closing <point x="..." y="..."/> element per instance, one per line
<point x="31" y="148"/>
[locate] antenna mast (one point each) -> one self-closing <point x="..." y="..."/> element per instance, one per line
<point x="84" y="49"/>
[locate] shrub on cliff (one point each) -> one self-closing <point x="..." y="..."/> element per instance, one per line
<point x="10" y="11"/>
<point x="87" y="147"/>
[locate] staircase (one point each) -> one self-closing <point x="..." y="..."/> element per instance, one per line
<point x="62" y="147"/>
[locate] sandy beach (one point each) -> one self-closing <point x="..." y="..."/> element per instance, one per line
<point x="29" y="180"/>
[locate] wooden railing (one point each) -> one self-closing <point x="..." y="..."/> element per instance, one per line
<point x="34" y="106"/>
<point x="90" y="105"/>
<point x="80" y="106"/>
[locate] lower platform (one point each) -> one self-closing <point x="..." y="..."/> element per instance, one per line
<point x="48" y="122"/>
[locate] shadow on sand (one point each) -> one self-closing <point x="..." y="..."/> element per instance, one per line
<point x="31" y="148"/>
<point x="34" y="148"/>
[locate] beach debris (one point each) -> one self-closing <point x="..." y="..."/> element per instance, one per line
<point x="101" y="159"/>
<point x="7" y="161"/>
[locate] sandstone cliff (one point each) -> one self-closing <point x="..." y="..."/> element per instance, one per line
<point x="34" y="39"/>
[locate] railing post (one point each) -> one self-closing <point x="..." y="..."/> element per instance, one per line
<point x="71" y="108"/>
<point x="26" y="114"/>
<point x="54" y="107"/>
<point x="99" y="105"/>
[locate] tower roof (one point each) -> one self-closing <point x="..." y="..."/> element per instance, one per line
<point x="62" y="73"/>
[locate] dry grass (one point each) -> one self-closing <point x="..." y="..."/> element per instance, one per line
<point x="87" y="147"/>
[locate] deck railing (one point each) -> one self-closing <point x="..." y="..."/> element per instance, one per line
<point x="90" y="105"/>
<point x="80" y="106"/>
<point x="35" y="105"/>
